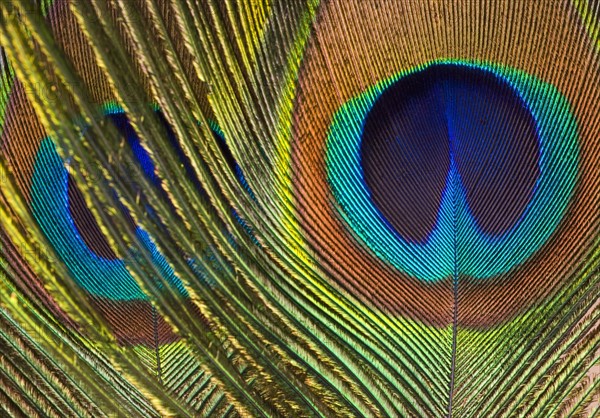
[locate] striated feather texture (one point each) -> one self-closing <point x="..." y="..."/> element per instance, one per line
<point x="298" y="208"/>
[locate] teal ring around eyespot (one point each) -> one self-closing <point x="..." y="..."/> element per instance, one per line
<point x="478" y="255"/>
<point x="99" y="276"/>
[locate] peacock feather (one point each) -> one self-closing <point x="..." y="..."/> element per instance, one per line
<point x="298" y="208"/>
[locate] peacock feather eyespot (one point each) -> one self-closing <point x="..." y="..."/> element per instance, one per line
<point x="457" y="161"/>
<point x="60" y="209"/>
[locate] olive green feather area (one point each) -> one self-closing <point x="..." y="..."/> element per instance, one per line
<point x="299" y="208"/>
